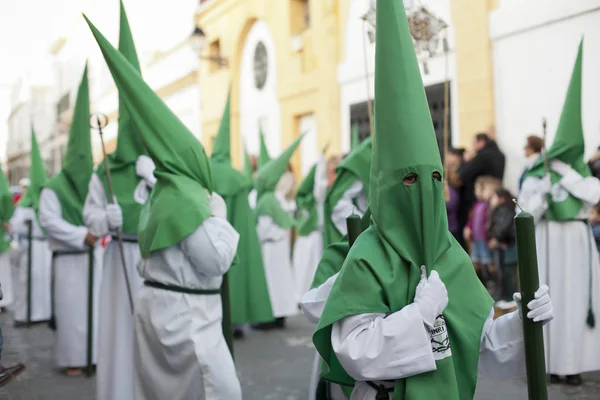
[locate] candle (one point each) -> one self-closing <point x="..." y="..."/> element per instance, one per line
<point x="532" y="331"/>
<point x="354" y="228"/>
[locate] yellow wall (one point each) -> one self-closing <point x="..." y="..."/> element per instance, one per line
<point x="474" y="67"/>
<point x="306" y="80"/>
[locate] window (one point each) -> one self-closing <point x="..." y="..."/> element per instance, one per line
<point x="215" y="55"/>
<point x="299" y="16"/>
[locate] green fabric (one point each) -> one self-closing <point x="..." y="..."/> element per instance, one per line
<point x="179" y="202"/>
<point x="250" y="302"/>
<point x="6" y="210"/>
<point x="568" y="147"/>
<point x="263" y="157"/>
<point x="409" y="228"/>
<point x="37" y="177"/>
<point x="356" y="166"/>
<point x="130" y="146"/>
<point x="307" y="205"/>
<point x="266" y="182"/>
<point x="71" y="183"/>
<point x="355" y="137"/>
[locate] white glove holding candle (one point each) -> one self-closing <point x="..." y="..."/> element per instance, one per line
<point x="560" y="167"/>
<point x="114" y="215"/>
<point x="431" y="296"/>
<point x="540" y="308"/>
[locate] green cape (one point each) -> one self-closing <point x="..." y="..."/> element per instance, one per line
<point x="72" y="182"/>
<point x="37" y="177"/>
<point x="356" y="166"/>
<point x="250" y="302"/>
<point x="179" y="202"/>
<point x="266" y="181"/>
<point x="130" y="146"/>
<point x="568" y="146"/>
<point x="6" y="210"/>
<point x="409" y="228"/>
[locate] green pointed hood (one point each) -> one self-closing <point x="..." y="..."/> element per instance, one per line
<point x="6" y="209"/>
<point x="130" y="146"/>
<point x="222" y="146"/>
<point x="248" y="172"/>
<point x="37" y="177"/>
<point x="179" y="202"/>
<point x="355" y="137"/>
<point x="568" y="145"/>
<point x="263" y="157"/>
<point x="266" y="181"/>
<point x="71" y="183"/>
<point x="409" y="229"/>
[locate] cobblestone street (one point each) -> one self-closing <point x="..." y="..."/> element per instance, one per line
<point x="272" y="366"/>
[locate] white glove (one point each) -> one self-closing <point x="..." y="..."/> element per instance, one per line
<point x="144" y="168"/>
<point x="560" y="167"/>
<point x="540" y="308"/>
<point x="218" y="206"/>
<point x="431" y="297"/>
<point x="546" y="184"/>
<point x="114" y="215"/>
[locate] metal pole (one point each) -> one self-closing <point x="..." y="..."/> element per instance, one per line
<point x="29" y="267"/>
<point x="547" y="228"/>
<point x="101" y="121"/>
<point x="90" y="317"/>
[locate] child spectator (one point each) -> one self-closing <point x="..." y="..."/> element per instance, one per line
<point x="501" y="233"/>
<point x="595" y="223"/>
<point x="475" y="231"/>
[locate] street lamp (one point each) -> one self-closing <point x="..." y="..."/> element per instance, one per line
<point x="197" y="41"/>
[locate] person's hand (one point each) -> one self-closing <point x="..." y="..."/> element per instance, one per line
<point x="90" y="239"/>
<point x="540" y="308"/>
<point x="431" y="296"/>
<point x="467" y="233"/>
<point x="114" y="215"/>
<point x="560" y="167"/>
<point x="218" y="206"/>
<point x="493" y="243"/>
<point x="144" y="168"/>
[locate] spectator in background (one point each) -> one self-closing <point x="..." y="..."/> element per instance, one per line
<point x="533" y="151"/>
<point x="595" y="223"/>
<point x="287" y="185"/>
<point x="488" y="161"/>
<point x="594" y="163"/>
<point x="453" y="162"/>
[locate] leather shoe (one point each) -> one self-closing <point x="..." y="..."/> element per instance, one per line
<point x="7" y="374"/>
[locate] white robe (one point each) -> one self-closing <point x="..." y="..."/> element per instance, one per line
<point x="309" y="249"/>
<point x="41" y="257"/>
<point x="275" y="246"/>
<point x="571" y="346"/>
<point x="354" y="200"/>
<point x="70" y="283"/>
<point x="179" y="349"/>
<point x="369" y="349"/>
<point x="6" y="279"/>
<point x="115" y="375"/>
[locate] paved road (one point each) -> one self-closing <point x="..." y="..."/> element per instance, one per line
<point x="271" y="365"/>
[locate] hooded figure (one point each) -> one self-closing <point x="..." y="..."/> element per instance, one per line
<point x="247" y="282"/>
<point x="61" y="216"/>
<point x="187" y="246"/>
<point x="348" y="193"/>
<point x="6" y="212"/>
<point x="274" y="225"/>
<point x="308" y="247"/>
<point x="561" y="202"/>
<point x="131" y="172"/>
<point x="41" y="256"/>
<point x="407" y="317"/>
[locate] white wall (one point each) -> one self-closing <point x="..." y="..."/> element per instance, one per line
<point x="351" y="72"/>
<point x="259" y="107"/>
<point x="534" y="45"/>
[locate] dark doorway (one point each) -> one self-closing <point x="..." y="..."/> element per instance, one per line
<point x="359" y="115"/>
<point x="435" y="98"/>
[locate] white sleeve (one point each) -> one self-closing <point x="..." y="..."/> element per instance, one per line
<point x="321" y="181"/>
<point x="268" y="230"/>
<point x="502" y="352"/>
<point x="211" y="248"/>
<point x="532" y="199"/>
<point x="17" y="221"/>
<point x="252" y="199"/>
<point x="94" y="209"/>
<point x="313" y="302"/>
<point x="347" y="205"/>
<point x="52" y="222"/>
<point x="373" y="347"/>
<point x="585" y="189"/>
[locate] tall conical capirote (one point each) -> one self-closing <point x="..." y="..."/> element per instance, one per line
<point x="270" y="174"/>
<point x="71" y="183"/>
<point x="222" y="146"/>
<point x="179" y="202"/>
<point x="568" y="146"/>
<point x="263" y="156"/>
<point x="37" y="176"/>
<point x="405" y="143"/>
